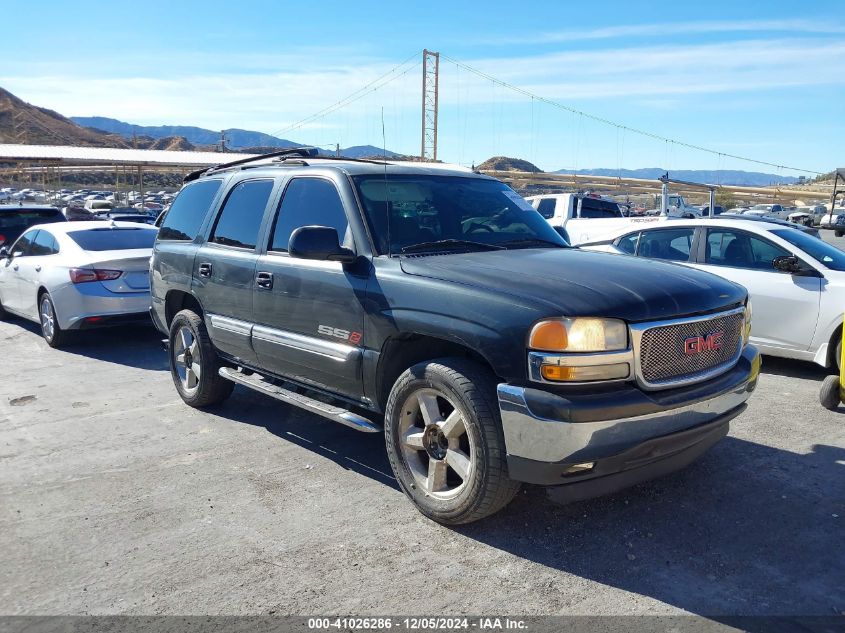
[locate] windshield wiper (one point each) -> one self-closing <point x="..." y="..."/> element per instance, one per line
<point x="531" y="240"/>
<point x="448" y="244"/>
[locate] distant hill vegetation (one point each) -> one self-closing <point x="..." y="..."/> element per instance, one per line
<point x="718" y="176"/>
<point x="22" y="122"/>
<point x="505" y="163"/>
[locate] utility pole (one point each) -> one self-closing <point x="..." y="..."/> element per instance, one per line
<point x="430" y="85"/>
<point x="337" y="149"/>
<point x="223" y="141"/>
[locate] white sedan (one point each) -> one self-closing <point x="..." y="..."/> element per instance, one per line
<point x="75" y="275"/>
<point x="796" y="282"/>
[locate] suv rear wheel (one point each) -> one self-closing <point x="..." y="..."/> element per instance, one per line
<point x="444" y="441"/>
<point x="194" y="363"/>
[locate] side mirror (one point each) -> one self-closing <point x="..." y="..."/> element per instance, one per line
<point x="787" y="264"/>
<point x="319" y="242"/>
<point x="794" y="266"/>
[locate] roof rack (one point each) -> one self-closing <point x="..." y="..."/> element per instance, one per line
<point x="304" y="152"/>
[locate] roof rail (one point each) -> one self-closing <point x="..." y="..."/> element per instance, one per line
<point x="305" y="152"/>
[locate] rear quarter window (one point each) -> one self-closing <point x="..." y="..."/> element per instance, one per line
<point x="186" y="214"/>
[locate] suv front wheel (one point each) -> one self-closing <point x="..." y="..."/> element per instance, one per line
<point x="445" y="443"/>
<point x="194" y="363"/>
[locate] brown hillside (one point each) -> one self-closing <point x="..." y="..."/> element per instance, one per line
<point x="505" y="163"/>
<point x="21" y="122"/>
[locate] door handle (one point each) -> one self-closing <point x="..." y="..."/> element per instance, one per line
<point x="38" y="269"/>
<point x="264" y="280"/>
<point x="205" y="270"/>
<point x="15" y="267"/>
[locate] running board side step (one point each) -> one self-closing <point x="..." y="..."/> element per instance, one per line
<point x="336" y="414"/>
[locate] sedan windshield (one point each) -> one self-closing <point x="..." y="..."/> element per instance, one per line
<point x="450" y="213"/>
<point x="822" y="252"/>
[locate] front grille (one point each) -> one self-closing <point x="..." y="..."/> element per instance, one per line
<point x="663" y="358"/>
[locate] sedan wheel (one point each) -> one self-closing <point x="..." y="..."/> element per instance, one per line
<point x="50" y="328"/>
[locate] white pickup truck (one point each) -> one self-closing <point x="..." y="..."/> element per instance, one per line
<point x="583" y="218"/>
<point x="678" y="207"/>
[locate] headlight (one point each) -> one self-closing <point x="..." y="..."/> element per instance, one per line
<point x="746" y="325"/>
<point x="582" y="334"/>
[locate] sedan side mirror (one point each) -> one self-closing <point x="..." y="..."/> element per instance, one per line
<point x="320" y="243"/>
<point x="794" y="266"/>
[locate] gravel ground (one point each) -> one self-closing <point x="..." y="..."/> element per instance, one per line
<point x="116" y="498"/>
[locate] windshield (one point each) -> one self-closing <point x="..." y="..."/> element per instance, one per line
<point x="108" y="239"/>
<point x="425" y="209"/>
<point x="822" y="252"/>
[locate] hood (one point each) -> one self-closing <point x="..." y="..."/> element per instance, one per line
<point x="571" y="282"/>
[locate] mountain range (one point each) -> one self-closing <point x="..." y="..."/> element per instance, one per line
<point x="22" y="122"/>
<point x="714" y="176"/>
<point x="236" y="139"/>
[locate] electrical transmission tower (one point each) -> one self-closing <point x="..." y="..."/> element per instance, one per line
<point x="430" y="78"/>
<point x="19" y="127"/>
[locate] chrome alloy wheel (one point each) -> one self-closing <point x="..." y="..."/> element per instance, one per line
<point x="186" y="358"/>
<point x="48" y="318"/>
<point x="435" y="444"/>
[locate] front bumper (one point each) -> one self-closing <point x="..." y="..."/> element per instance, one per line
<point x="563" y="440"/>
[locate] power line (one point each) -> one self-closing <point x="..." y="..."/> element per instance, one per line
<point x="355" y="96"/>
<point x="619" y="126"/>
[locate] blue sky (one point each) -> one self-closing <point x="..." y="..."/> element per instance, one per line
<point x="757" y="79"/>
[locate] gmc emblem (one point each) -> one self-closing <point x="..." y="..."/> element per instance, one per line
<point x="699" y="344"/>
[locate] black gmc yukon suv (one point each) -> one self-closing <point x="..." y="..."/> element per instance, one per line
<point x="439" y="307"/>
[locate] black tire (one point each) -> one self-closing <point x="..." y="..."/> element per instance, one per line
<point x="52" y="332"/>
<point x="839" y="233"/>
<point x="3" y="314"/>
<point x="208" y="386"/>
<point x="469" y="389"/>
<point x="829" y="395"/>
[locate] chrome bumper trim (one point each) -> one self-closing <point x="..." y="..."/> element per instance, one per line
<point x="533" y="437"/>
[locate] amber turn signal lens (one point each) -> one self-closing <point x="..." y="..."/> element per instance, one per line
<point x="549" y="336"/>
<point x="584" y="373"/>
<point x="556" y="372"/>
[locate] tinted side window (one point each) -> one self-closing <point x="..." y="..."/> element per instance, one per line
<point x="670" y="244"/>
<point x="309" y="202"/>
<point x="24" y="243"/>
<point x="739" y="249"/>
<point x="628" y="244"/>
<point x="185" y="216"/>
<point x="240" y="218"/>
<point x="44" y="244"/>
<point x="547" y="207"/>
<point x="594" y="208"/>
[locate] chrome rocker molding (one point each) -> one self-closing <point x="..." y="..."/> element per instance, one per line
<point x="328" y="349"/>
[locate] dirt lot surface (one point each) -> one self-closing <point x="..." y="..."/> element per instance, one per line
<point x="117" y="498"/>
